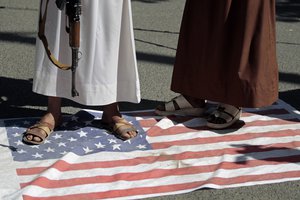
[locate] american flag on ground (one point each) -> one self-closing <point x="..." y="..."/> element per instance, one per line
<point x="171" y="155"/>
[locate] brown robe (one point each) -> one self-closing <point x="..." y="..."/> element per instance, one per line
<point x="227" y="52"/>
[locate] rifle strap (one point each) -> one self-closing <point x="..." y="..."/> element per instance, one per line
<point x="41" y="35"/>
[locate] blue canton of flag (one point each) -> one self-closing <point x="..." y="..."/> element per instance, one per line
<point x="80" y="134"/>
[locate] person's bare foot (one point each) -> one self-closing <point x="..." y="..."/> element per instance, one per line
<point x="113" y="121"/>
<point x="37" y="133"/>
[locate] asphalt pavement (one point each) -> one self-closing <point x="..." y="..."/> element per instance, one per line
<point x="156" y="26"/>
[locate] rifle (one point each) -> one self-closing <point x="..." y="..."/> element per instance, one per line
<point x="73" y="12"/>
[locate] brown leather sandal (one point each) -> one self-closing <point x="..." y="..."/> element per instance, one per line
<point x="44" y="126"/>
<point x="224" y="116"/>
<point x="119" y="128"/>
<point x="184" y="108"/>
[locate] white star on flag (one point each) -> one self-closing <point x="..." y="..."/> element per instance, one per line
<point x="37" y="155"/>
<point x="87" y="123"/>
<point x="49" y="150"/>
<point x="127" y="141"/>
<point x="57" y="136"/>
<point x="22" y="151"/>
<point x="63" y="153"/>
<point x="17" y="135"/>
<point x="112" y="141"/>
<point x="141" y="146"/>
<point x="62" y="144"/>
<point x="99" y="145"/>
<point x="47" y="141"/>
<point x="74" y="118"/>
<point x="82" y="133"/>
<point x="117" y="146"/>
<point x="87" y="150"/>
<point x="19" y="142"/>
<point x="72" y="139"/>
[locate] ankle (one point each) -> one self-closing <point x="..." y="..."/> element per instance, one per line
<point x="52" y="118"/>
<point x="110" y="112"/>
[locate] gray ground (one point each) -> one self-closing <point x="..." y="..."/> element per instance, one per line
<point x="156" y="24"/>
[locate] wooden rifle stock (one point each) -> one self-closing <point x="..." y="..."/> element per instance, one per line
<point x="73" y="12"/>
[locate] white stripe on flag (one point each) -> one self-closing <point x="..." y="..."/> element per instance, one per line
<point x="54" y="174"/>
<point x="220" y="176"/>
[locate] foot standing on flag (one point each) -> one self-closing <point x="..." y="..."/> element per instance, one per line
<point x="107" y="71"/>
<point x="226" y="53"/>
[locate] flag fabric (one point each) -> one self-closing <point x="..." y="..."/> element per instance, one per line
<point x="170" y="155"/>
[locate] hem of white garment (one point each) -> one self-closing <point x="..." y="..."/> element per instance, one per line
<point x="96" y="97"/>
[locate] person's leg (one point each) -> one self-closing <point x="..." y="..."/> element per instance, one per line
<point x="50" y="120"/>
<point x="120" y="127"/>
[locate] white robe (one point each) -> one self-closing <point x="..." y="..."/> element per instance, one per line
<point x="107" y="71"/>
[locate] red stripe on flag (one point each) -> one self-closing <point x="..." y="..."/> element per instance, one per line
<point x="147" y="123"/>
<point x="157" y="131"/>
<point x="159" y="173"/>
<point x="152" y="159"/>
<point x="172" y="187"/>
<point x="276" y="111"/>
<point x="225" y="138"/>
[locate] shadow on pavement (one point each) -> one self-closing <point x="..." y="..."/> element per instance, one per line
<point x="288" y="10"/>
<point x="17" y="100"/>
<point x="291" y="97"/>
<point x="289" y="78"/>
<point x="18" y="37"/>
<point x="155" y="58"/>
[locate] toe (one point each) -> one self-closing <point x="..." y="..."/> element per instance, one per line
<point x="36" y="139"/>
<point x="132" y="134"/>
<point x="29" y="137"/>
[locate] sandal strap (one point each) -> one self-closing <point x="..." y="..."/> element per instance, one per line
<point x="121" y="123"/>
<point x="122" y="126"/>
<point x="226" y="112"/>
<point x="180" y="101"/>
<point x="40" y="125"/>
